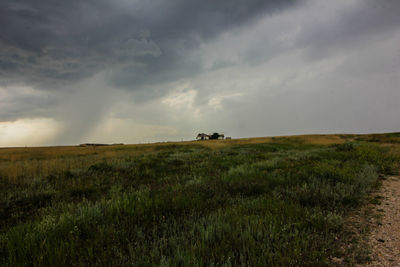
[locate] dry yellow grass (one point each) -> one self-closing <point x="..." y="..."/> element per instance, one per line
<point x="305" y="139"/>
<point x="322" y="139"/>
<point x="42" y="161"/>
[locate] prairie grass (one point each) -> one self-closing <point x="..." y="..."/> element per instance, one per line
<point x="278" y="201"/>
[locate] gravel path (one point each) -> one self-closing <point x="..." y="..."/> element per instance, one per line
<point x="385" y="239"/>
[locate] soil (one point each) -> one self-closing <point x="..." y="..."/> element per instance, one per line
<point x="385" y="237"/>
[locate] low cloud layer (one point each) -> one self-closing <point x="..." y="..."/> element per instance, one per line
<point x="140" y="71"/>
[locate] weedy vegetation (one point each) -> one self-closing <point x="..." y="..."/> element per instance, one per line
<point x="250" y="202"/>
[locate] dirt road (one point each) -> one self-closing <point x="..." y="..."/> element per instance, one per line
<point x="385" y="238"/>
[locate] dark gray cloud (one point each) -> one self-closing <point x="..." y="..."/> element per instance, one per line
<point x="50" y="44"/>
<point x="23" y="102"/>
<point x="348" y="25"/>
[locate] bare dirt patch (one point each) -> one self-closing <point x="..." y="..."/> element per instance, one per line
<point x="385" y="237"/>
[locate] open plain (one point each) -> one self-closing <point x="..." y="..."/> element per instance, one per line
<point x="273" y="201"/>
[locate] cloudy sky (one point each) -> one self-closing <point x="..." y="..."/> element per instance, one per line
<point x="141" y="71"/>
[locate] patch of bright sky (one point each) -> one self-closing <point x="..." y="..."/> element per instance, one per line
<point x="30" y="132"/>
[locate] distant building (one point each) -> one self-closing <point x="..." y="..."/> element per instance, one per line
<point x="214" y="136"/>
<point x="228" y="138"/>
<point x="203" y="136"/>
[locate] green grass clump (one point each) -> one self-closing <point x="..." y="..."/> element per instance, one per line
<point x="281" y="203"/>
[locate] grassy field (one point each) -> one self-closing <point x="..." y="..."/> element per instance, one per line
<point x="279" y="201"/>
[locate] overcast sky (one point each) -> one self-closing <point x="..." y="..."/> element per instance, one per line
<point x="141" y="71"/>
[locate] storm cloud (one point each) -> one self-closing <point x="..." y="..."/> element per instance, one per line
<point x="138" y="70"/>
<point x="52" y="43"/>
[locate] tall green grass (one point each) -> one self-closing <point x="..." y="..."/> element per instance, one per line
<point x="275" y="204"/>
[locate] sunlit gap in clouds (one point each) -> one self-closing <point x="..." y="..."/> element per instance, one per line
<point x="27" y="132"/>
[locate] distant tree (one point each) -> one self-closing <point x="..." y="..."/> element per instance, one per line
<point x="214" y="136"/>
